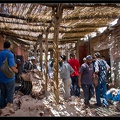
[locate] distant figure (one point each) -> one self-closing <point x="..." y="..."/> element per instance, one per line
<point x="19" y="67"/>
<point x="50" y="69"/>
<point x="74" y="63"/>
<point x="30" y="64"/>
<point x="65" y="71"/>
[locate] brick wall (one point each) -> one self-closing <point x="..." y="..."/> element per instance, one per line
<point x="18" y="50"/>
<point x="1" y="42"/>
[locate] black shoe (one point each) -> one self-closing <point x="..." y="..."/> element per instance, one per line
<point x="107" y="106"/>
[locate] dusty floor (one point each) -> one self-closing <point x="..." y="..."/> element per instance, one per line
<point x="25" y="105"/>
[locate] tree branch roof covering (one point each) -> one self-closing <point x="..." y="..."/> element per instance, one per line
<point x="28" y="20"/>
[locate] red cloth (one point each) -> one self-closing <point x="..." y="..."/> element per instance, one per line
<point x="75" y="64"/>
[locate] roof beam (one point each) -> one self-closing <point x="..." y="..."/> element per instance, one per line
<point x="42" y="24"/>
<point x="97" y="5"/>
<point x="65" y="6"/>
<point x="67" y="40"/>
<point x="73" y="37"/>
<point x="50" y="31"/>
<point x="18" y="40"/>
<point x="84" y="4"/>
<point x="61" y="41"/>
<point x="31" y="24"/>
<point x="30" y="19"/>
<point x="72" y="27"/>
<point x="92" y="17"/>
<point x="77" y="31"/>
<point x="85" y="26"/>
<point x="25" y="37"/>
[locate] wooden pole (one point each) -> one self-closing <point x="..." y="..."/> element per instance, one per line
<point x="46" y="55"/>
<point x="46" y="61"/>
<point x="41" y="53"/>
<point x="77" y="50"/>
<point x="57" y="14"/>
<point x="89" y="44"/>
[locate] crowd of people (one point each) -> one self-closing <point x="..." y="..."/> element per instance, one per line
<point x="81" y="77"/>
<point x="75" y="76"/>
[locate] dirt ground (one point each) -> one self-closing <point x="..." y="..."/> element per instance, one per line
<point x="26" y="105"/>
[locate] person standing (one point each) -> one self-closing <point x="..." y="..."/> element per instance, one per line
<point x="74" y="63"/>
<point x="19" y="67"/>
<point x="101" y="69"/>
<point x="65" y="71"/>
<point x="85" y="79"/>
<point x="30" y="65"/>
<point x="50" y="69"/>
<point x="7" y="85"/>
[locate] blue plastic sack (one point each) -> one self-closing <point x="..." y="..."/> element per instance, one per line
<point x="109" y="96"/>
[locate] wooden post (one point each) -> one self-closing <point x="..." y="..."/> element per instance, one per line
<point x="66" y="51"/>
<point x="57" y="14"/>
<point x="77" y="49"/>
<point x="46" y="55"/>
<point x="89" y="44"/>
<point x="41" y="51"/>
<point x="46" y="60"/>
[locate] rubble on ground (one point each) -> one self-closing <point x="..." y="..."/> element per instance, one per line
<point x="34" y="105"/>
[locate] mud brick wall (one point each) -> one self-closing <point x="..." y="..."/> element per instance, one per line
<point x="1" y="42"/>
<point x="110" y="40"/>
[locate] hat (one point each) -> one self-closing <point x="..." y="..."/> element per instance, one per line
<point x="97" y="54"/>
<point x="89" y="57"/>
<point x="63" y="57"/>
<point x="32" y="58"/>
<point x="19" y="60"/>
<point x="84" y="58"/>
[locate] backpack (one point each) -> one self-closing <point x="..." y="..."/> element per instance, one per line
<point x="6" y="69"/>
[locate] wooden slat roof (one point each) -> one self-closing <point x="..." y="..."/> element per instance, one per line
<point x="28" y="20"/>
